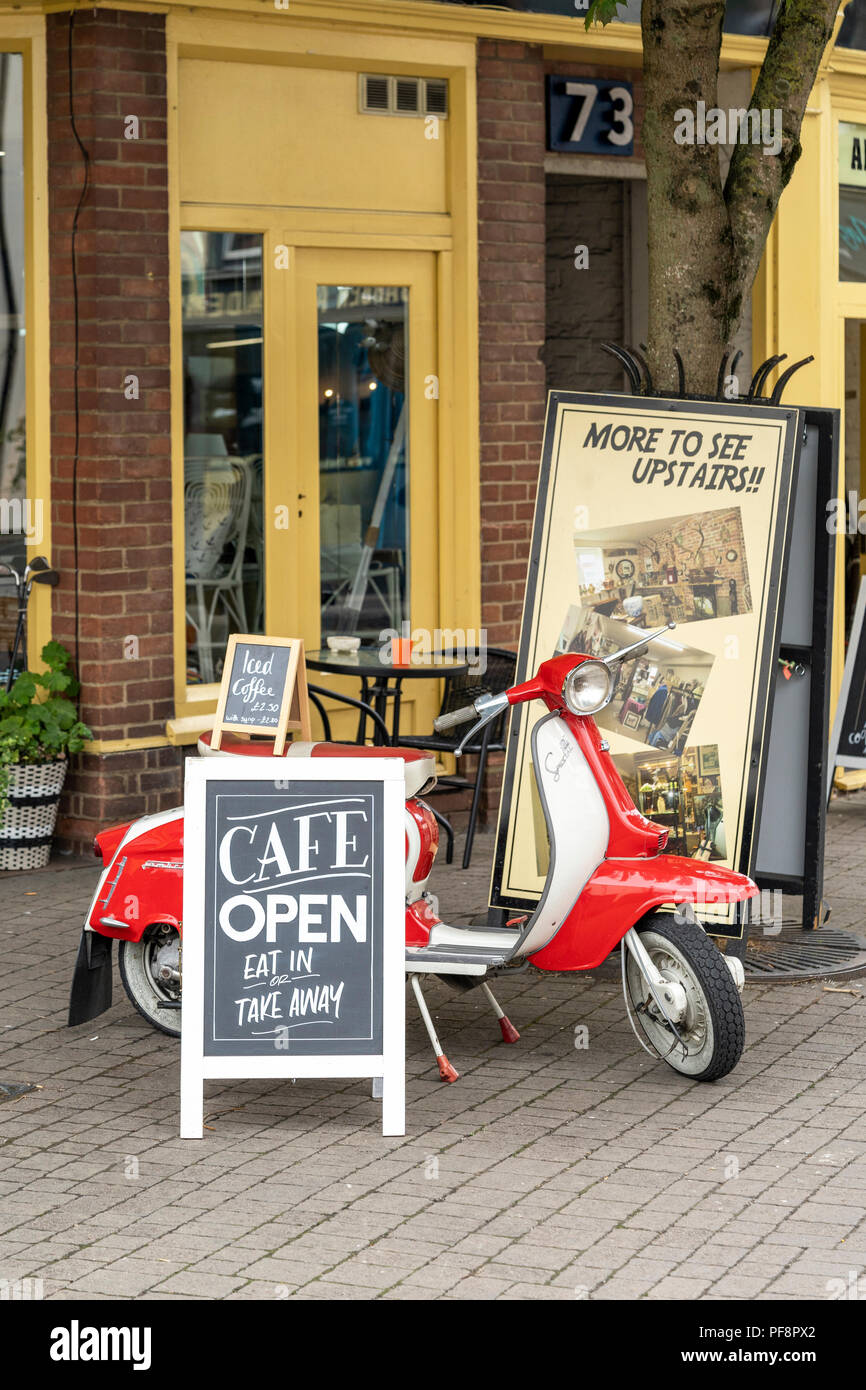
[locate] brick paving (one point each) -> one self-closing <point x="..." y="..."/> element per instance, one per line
<point x="546" y="1172"/>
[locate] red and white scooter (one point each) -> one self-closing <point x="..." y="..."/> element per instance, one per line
<point x="605" y="885"/>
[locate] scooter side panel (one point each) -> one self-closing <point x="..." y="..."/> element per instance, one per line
<point x="621" y="892"/>
<point x="577" y="824"/>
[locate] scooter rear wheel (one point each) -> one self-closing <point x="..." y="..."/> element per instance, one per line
<point x="139" y="963"/>
<point x="713" y="1027"/>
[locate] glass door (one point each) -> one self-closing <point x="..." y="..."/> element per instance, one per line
<point x="364" y="459"/>
<point x="366" y="417"/>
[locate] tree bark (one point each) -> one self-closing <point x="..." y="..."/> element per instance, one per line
<point x="691" y="250"/>
<point x="705" y="239"/>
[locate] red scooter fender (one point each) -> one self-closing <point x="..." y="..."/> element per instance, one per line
<point x="141" y="885"/>
<point x="144" y="882"/>
<point x="622" y="891"/>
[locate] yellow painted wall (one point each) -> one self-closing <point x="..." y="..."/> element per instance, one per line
<point x="799" y="305"/>
<point x="266" y="136"/>
<point x="292" y="136"/>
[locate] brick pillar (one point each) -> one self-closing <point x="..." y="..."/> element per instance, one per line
<point x="511" y="229"/>
<point x="124" y="654"/>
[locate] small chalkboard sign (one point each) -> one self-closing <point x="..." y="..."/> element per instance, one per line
<point x="264" y="689"/>
<point x="294" y="937"/>
<point x="848" y="743"/>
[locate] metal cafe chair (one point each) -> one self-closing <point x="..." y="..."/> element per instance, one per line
<point x="463" y="690"/>
<point x="318" y="694"/>
<point x="216" y="517"/>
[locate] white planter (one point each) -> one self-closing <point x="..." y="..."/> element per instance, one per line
<point x="27" y="824"/>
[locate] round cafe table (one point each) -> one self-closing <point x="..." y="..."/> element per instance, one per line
<point x="382" y="679"/>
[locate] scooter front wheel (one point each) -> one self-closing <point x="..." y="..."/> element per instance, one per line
<point x="150" y="971"/>
<point x="712" y="1028"/>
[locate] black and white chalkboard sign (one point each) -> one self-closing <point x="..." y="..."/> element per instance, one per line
<point x="264" y="689"/>
<point x="293" y="931"/>
<point x="848" y="743"/>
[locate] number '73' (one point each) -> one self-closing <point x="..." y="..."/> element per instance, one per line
<point x="623" y="106"/>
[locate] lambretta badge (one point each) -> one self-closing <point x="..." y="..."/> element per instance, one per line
<point x="566" y="748"/>
<point x="77" y="1343"/>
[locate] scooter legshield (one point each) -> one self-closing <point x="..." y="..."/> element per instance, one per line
<point x="91" y="982"/>
<point x="622" y="891"/>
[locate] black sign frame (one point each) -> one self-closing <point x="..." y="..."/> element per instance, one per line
<point x="813" y="659"/>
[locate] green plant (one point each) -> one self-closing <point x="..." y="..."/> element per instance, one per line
<point x="38" y="718"/>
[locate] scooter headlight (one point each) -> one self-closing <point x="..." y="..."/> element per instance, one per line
<point x="588" y="687"/>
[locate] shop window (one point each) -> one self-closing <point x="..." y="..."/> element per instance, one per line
<point x="590" y="567"/>
<point x="852" y="201"/>
<point x="21" y="516"/>
<point x="223" y="331"/>
<point x="363" y="458"/>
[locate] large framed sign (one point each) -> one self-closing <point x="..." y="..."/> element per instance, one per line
<point x="264" y="689"/>
<point x="293" y="925"/>
<point x="651" y="511"/>
<point x="848" y="741"/>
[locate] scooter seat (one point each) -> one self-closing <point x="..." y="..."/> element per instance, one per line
<point x="231" y="743"/>
<point x="419" y="767"/>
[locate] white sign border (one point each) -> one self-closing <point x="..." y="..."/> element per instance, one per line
<point x="195" y="1067"/>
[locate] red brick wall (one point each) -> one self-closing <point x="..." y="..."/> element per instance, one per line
<point x="124" y="459"/>
<point x="511" y="139"/>
<point x="512" y="234"/>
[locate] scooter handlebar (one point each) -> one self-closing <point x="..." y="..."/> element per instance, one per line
<point x="454" y="716"/>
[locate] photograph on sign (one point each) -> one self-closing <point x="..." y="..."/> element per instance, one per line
<point x="655" y="699"/>
<point x="293" y="923"/>
<point x="652" y="512"/>
<point x="263" y="690"/>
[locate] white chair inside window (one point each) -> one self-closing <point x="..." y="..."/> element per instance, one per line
<point x="254" y="571"/>
<point x="217" y="494"/>
<point x="341" y="548"/>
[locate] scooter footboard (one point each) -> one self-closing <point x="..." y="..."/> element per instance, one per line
<point x="91" y="982"/>
<point x="622" y="891"/>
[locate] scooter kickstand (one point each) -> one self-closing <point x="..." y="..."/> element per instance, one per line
<point x="509" y="1032"/>
<point x="446" y="1071"/>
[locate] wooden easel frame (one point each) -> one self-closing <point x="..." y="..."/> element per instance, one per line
<point x="295" y="704"/>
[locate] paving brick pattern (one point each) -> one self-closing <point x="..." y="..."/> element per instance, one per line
<point x="546" y="1172"/>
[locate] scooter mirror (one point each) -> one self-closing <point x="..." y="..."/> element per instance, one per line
<point x="46" y="577"/>
<point x="638" y="648"/>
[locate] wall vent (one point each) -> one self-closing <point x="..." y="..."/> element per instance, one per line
<point x="379" y="95"/>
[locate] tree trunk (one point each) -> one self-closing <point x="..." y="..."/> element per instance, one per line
<point x="706" y="240"/>
<point x="691" y="252"/>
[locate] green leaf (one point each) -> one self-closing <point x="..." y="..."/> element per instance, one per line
<point x="602" y="12"/>
<point x="55" y="656"/>
<point x="38" y="718"/>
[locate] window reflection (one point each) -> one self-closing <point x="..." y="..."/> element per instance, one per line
<point x="223" y="330"/>
<point x="363" y="457"/>
<point x="21" y="517"/>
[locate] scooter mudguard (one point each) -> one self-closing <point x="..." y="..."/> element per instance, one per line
<point x="91" y="983"/>
<point x="142" y="882"/>
<point x="622" y="891"/>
